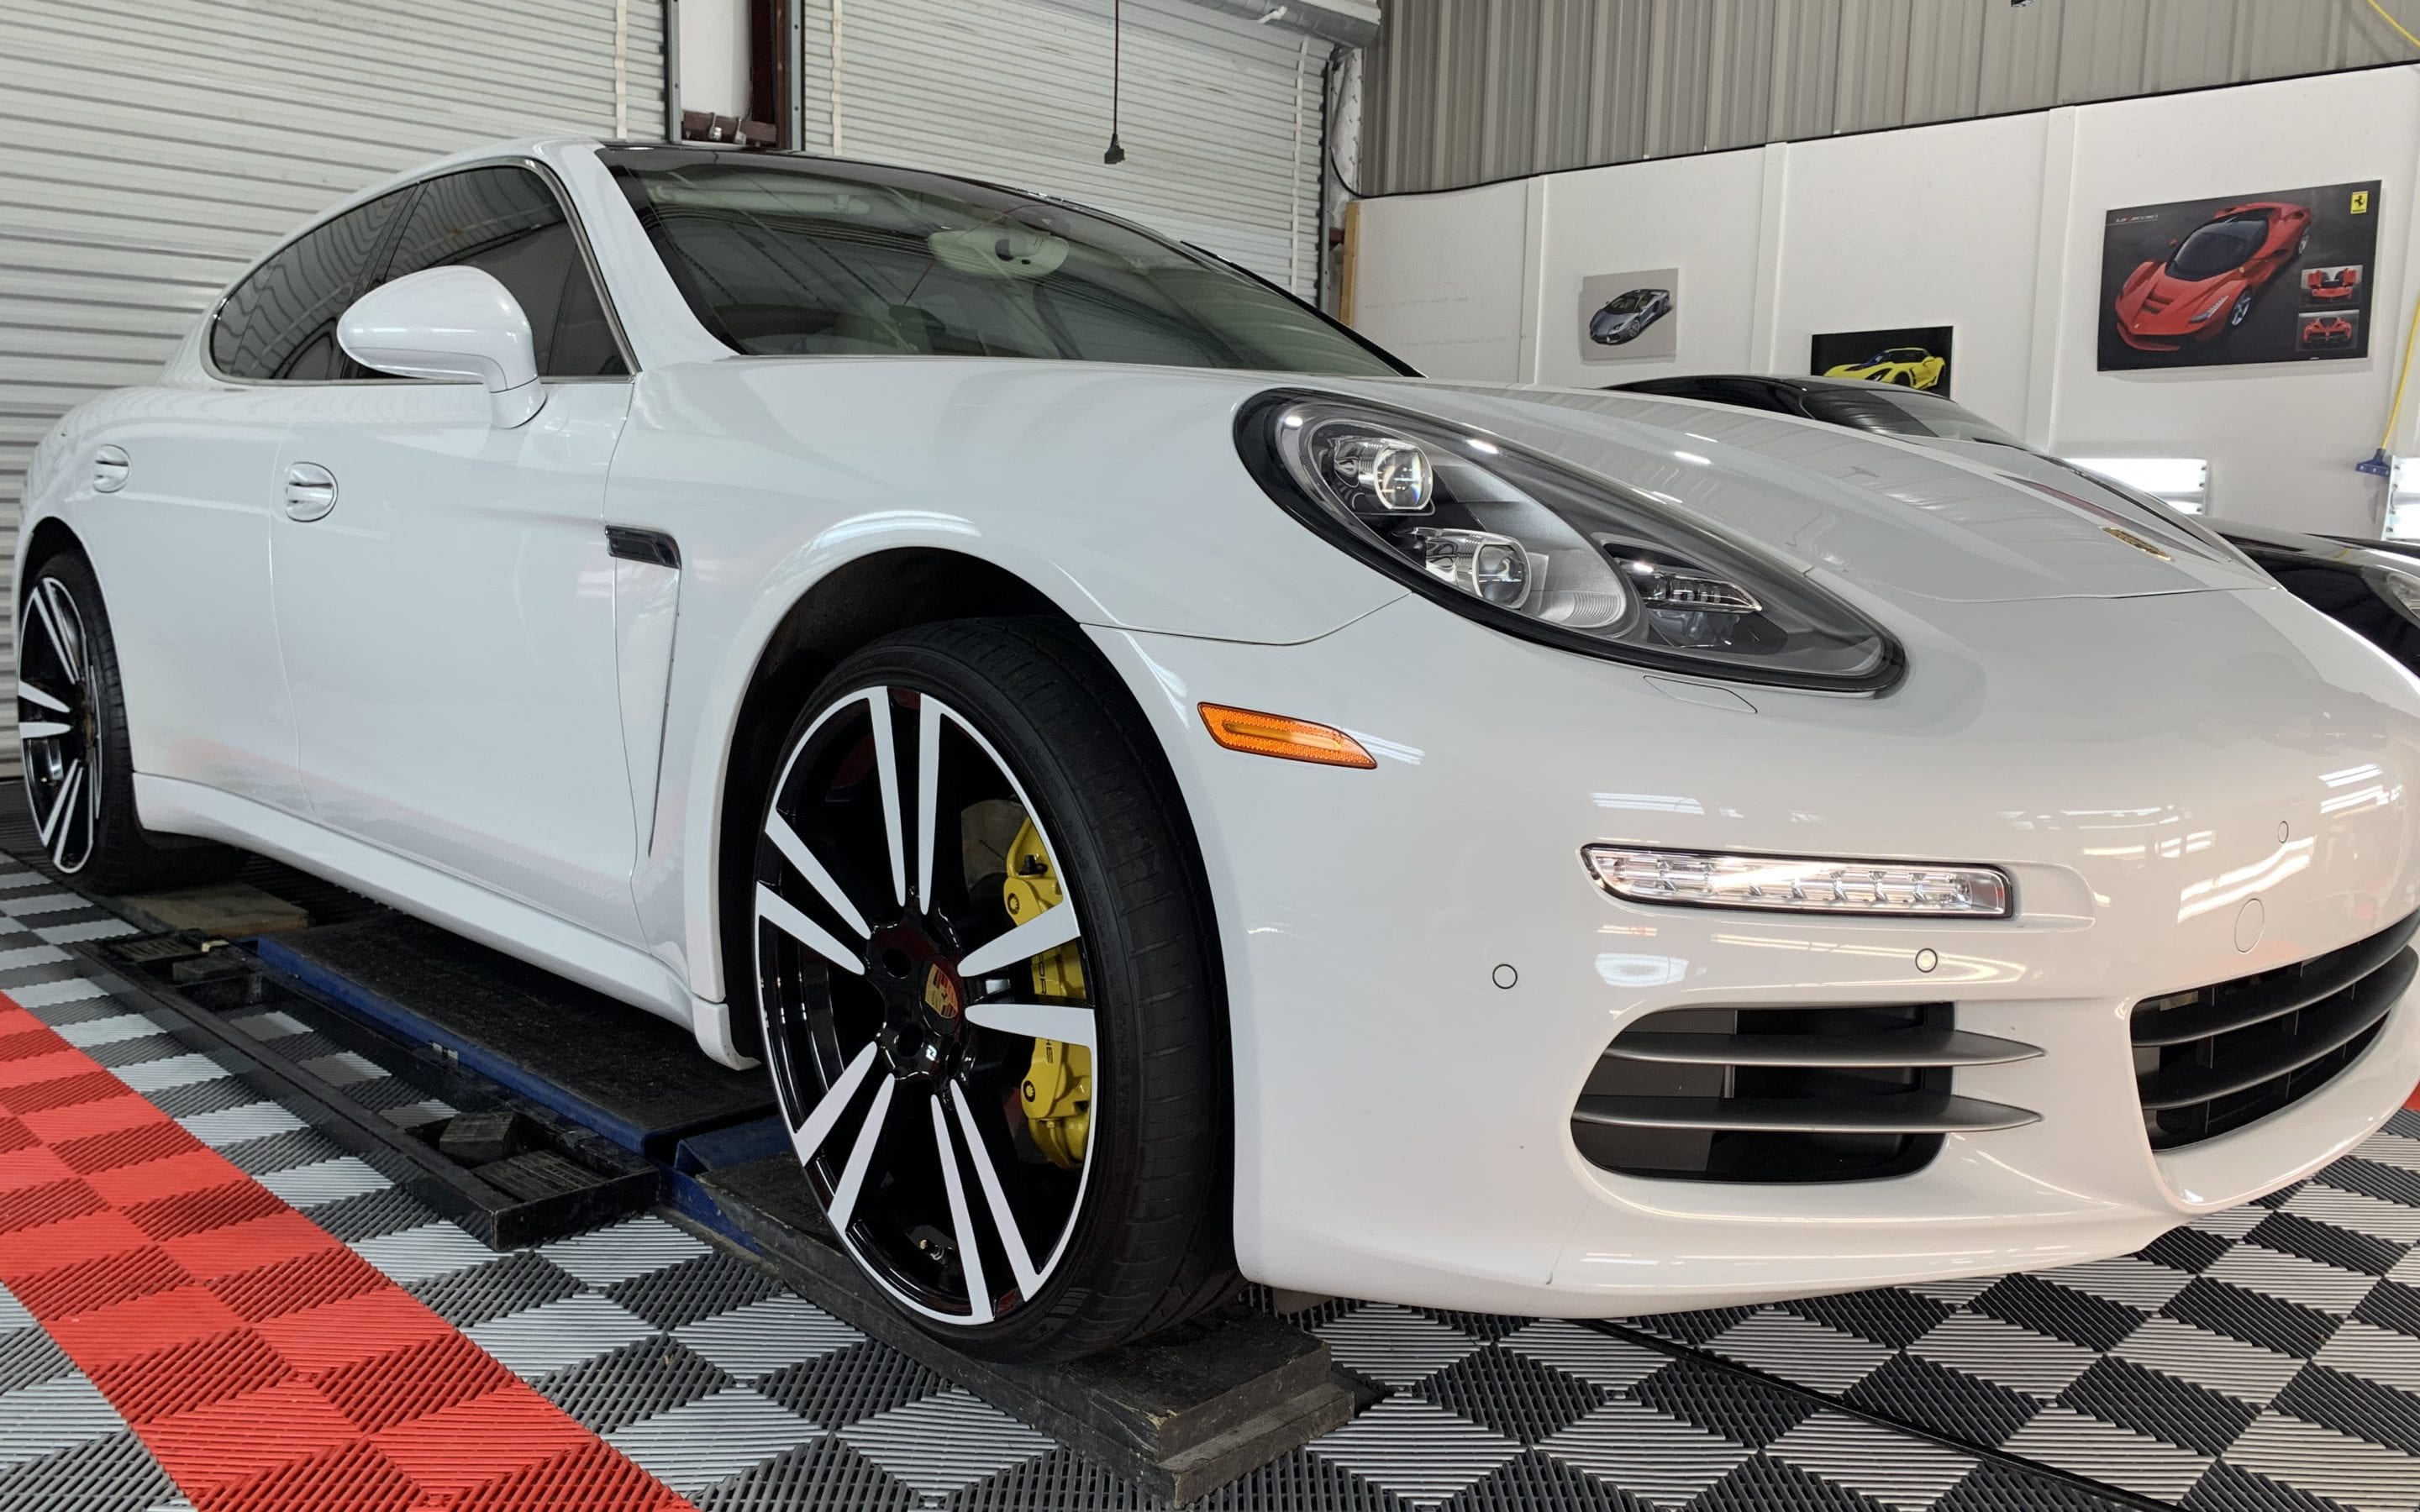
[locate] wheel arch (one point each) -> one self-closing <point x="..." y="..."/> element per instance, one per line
<point x="49" y="538"/>
<point x="849" y="609"/>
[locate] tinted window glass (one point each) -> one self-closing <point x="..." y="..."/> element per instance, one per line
<point x="2219" y="246"/>
<point x="506" y="221"/>
<point x="281" y="321"/>
<point x="799" y="256"/>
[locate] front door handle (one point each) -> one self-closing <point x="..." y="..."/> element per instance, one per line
<point x="310" y="491"/>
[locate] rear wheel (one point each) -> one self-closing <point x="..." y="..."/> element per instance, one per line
<point x="71" y="733"/>
<point x="988" y="995"/>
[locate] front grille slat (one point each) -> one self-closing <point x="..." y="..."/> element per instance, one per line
<point x="2230" y="1055"/>
<point x="2239" y="1005"/>
<point x="1921" y="1046"/>
<point x="1891" y="1112"/>
<point x="1786" y="1094"/>
<point x="2274" y="1052"/>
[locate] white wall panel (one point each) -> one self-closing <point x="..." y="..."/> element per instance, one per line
<point x="1444" y="291"/>
<point x="1629" y="219"/>
<point x="148" y="148"/>
<point x="1915" y="228"/>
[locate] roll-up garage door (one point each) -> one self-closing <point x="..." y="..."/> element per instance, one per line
<point x="148" y="148"/>
<point x="1221" y="116"/>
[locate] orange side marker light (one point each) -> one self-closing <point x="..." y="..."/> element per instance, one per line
<point x="1255" y="734"/>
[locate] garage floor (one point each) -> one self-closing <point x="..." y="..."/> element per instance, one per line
<point x="207" y="1303"/>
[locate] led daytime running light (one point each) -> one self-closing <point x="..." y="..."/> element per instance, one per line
<point x="1799" y="884"/>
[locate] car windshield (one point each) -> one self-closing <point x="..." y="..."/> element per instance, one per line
<point x="783" y="256"/>
<point x="2219" y="246"/>
<point x="1625" y="303"/>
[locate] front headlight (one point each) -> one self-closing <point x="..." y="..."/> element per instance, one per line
<point x="1550" y="554"/>
<point x="2217" y="305"/>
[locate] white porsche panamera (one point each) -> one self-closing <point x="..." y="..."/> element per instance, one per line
<point x="1169" y="797"/>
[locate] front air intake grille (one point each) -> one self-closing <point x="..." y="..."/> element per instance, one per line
<point x="1785" y="1094"/>
<point x="2208" y="1061"/>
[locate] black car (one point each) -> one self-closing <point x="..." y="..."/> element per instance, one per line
<point x="2372" y="586"/>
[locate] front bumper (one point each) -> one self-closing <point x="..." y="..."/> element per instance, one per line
<point x="1403" y="1121"/>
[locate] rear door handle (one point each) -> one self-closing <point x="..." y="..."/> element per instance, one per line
<point x="310" y="491"/>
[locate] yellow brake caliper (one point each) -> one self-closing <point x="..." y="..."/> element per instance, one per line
<point x="1058" y="1089"/>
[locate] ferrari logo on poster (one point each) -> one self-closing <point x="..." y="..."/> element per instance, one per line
<point x="2361" y="202"/>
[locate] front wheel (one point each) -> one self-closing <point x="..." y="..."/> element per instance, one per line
<point x="2242" y="308"/>
<point x="72" y="735"/>
<point x="990" y="994"/>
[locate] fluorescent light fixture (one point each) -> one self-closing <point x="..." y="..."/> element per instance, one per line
<point x="1798" y="884"/>
<point x="2182" y="483"/>
<point x="2403" y="500"/>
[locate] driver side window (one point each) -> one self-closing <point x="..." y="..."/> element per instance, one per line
<point x="506" y="221"/>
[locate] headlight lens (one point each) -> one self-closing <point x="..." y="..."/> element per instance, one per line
<point x="2401" y="589"/>
<point x="1799" y="884"/>
<point x="1550" y="554"/>
<point x="2201" y="315"/>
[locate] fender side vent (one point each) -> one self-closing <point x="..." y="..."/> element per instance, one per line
<point x="1786" y="1094"/>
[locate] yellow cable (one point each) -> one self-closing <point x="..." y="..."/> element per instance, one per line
<point x="2392" y="21"/>
<point x="2395" y="408"/>
<point x="2403" y="374"/>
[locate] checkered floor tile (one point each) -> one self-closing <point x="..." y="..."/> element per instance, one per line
<point x="2268" y="1357"/>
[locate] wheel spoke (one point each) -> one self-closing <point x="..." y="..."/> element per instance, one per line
<point x="40" y="698"/>
<point x="42" y="730"/>
<point x="45" y="824"/>
<point x="860" y="1156"/>
<point x="49" y="598"/>
<point x="1003" y="1218"/>
<point x="928" y="793"/>
<point x="962" y="1229"/>
<point x="802" y="860"/>
<point x="55" y="833"/>
<point x="809" y="1136"/>
<point x="1037" y="1021"/>
<point x="886" y="760"/>
<point x="778" y="910"/>
<point x="1046" y="931"/>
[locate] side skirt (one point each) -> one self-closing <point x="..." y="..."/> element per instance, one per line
<point x="618" y="970"/>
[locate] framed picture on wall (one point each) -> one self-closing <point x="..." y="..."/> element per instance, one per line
<point x="1913" y="357"/>
<point x="2279" y="276"/>
<point x="1627" y="316"/>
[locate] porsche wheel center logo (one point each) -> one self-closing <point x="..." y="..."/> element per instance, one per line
<point x="941" y="992"/>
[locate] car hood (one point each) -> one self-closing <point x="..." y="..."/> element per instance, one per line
<point x="2170" y="301"/>
<point x="1910" y="521"/>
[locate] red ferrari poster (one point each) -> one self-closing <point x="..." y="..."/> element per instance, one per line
<point x="2278" y="277"/>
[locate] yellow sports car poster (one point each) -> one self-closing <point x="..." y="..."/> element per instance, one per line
<point x="1913" y="357"/>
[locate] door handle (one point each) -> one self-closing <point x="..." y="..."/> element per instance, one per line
<point x="110" y="467"/>
<point x="310" y="491"/>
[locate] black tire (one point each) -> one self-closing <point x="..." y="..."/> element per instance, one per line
<point x="71" y="727"/>
<point x="1144" y="1241"/>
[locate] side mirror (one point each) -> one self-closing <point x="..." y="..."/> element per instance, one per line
<point x="455" y="323"/>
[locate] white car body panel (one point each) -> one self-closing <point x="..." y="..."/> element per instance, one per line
<point x="448" y="695"/>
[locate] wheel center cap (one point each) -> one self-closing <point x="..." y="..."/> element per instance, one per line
<point x="942" y="995"/>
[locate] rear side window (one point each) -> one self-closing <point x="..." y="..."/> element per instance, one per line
<point x="506" y="221"/>
<point x="281" y="321"/>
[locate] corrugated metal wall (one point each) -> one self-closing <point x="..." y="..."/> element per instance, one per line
<point x="1221" y="116"/>
<point x="1465" y="91"/>
<point x="148" y="148"/>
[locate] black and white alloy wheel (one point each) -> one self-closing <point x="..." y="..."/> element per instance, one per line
<point x="71" y="731"/>
<point x="57" y="732"/>
<point x="947" y="983"/>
